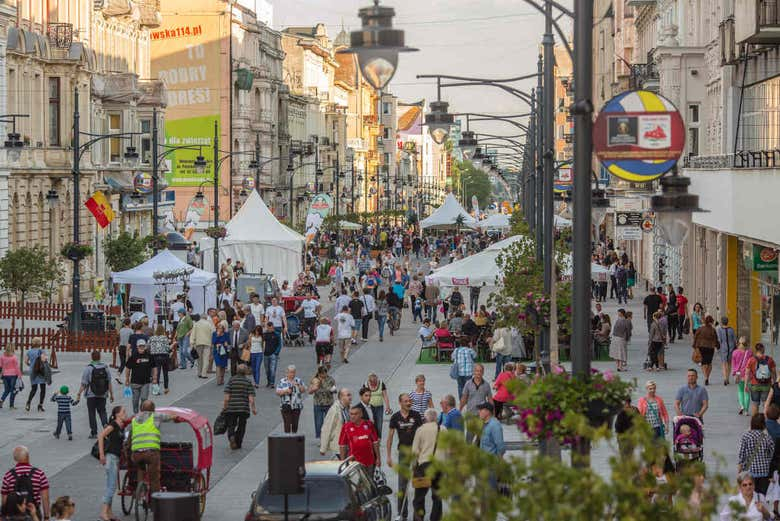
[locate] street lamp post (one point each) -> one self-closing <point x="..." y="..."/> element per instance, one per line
<point x="549" y="155"/>
<point x="216" y="196"/>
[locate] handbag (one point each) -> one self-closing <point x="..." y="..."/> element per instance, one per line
<point x="19" y="385"/>
<point x="696" y="356"/>
<point x="454" y="373"/>
<point x="423" y="481"/>
<point x="171" y="363"/>
<point x="95" y="451"/>
<point x="220" y="424"/>
<point x="194" y="353"/>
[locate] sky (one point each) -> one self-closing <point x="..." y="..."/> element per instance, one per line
<point x="483" y="39"/>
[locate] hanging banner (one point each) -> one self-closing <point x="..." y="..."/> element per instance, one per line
<point x="320" y="207"/>
<point x="475" y="206"/>
<point x="764" y="259"/>
<point x="638" y="136"/>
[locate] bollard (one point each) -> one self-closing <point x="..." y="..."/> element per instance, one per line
<point x="176" y="506"/>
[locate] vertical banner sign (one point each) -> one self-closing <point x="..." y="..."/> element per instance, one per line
<point x="186" y="56"/>
<point x="764" y="259"/>
<point x="475" y="206"/>
<point x="638" y="136"/>
<point x="319" y="209"/>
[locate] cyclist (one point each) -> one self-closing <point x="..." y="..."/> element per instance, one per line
<point x="394" y="303"/>
<point x="145" y="442"/>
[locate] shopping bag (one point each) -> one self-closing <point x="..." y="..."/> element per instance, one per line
<point x="128" y="393"/>
<point x="220" y="424"/>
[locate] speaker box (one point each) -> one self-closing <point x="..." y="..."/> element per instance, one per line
<point x="286" y="464"/>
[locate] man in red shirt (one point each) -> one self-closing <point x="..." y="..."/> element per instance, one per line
<point x="359" y="440"/>
<point x="37" y="478"/>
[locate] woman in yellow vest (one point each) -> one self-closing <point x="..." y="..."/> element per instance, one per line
<point x="379" y="402"/>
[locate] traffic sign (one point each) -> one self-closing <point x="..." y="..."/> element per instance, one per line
<point x="638" y="136"/>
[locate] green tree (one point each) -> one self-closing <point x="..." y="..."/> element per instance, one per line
<point x="26" y="272"/>
<point x="468" y="181"/>
<point x="124" y="251"/>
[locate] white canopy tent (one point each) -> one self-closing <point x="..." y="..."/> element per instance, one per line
<point x="561" y="222"/>
<point x="348" y="225"/>
<point x="203" y="285"/>
<point x="446" y="215"/>
<point x="497" y="221"/>
<point x="256" y="238"/>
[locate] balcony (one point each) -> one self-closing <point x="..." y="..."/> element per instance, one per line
<point x="640" y="3"/>
<point x="758" y="21"/>
<point x="149" y="13"/>
<point x="60" y="36"/>
<point x="644" y="76"/>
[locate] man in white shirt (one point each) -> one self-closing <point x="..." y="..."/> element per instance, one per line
<point x="342" y="301"/>
<point x="275" y="315"/>
<point x="343" y="323"/>
<point x="311" y="309"/>
<point x="226" y="296"/>
<point x="370" y="304"/>
<point x="257" y="309"/>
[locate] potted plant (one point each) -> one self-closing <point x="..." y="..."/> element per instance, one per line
<point x="75" y="251"/>
<point x="551" y="406"/>
<point x="158" y="242"/>
<point x="216" y="232"/>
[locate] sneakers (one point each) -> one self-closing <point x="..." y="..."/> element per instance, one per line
<point x="70" y="437"/>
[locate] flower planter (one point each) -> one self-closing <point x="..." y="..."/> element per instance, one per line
<point x="600" y="413"/>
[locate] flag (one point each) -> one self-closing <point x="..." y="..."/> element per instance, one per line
<point x="100" y="207"/>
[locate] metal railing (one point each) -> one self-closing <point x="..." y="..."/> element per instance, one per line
<point x="742" y="159"/>
<point x="60" y="35"/>
<point x="641" y="73"/>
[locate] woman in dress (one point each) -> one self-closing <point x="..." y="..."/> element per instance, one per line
<point x="706" y="341"/>
<point x="739" y="360"/>
<point x="653" y="409"/>
<point x="220" y="346"/>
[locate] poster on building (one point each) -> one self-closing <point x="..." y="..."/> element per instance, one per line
<point x="764" y="259"/>
<point x="319" y="209"/>
<point x="628" y="226"/>
<point x="186" y="56"/>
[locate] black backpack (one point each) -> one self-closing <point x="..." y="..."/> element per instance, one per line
<point x="98" y="383"/>
<point x="23" y="485"/>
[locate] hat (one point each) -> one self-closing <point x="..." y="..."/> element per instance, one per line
<point x="140" y="342"/>
<point x="487" y="406"/>
<point x="64" y="389"/>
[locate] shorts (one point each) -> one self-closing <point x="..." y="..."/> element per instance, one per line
<point x="758" y="397"/>
<point x="358" y="324"/>
<point x="323" y="348"/>
<point x="706" y="355"/>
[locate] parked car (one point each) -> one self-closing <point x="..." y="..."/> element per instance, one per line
<point x="332" y="491"/>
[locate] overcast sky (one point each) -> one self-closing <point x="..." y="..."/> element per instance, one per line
<point x="486" y="38"/>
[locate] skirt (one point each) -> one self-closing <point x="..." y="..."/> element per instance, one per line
<point x="618" y="349"/>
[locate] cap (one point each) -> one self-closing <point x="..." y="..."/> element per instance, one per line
<point x="140" y="342"/>
<point x="487" y="406"/>
<point x="64" y="389"/>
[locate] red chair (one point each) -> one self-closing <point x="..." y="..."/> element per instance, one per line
<point x="445" y="344"/>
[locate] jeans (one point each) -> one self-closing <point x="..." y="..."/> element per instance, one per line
<point x="378" y="411"/>
<point x="97" y="405"/>
<point x="461" y="384"/>
<point x="184" y="352"/>
<point x="9" y="388"/>
<point x="290" y="420"/>
<point x="416" y="314"/>
<point x="140" y="394"/>
<point x="309" y="324"/>
<point x="256" y="363"/>
<point x="358" y="325"/>
<point x="112" y="474"/>
<point x="364" y="326"/>
<point x="161" y="363"/>
<point x="500" y="361"/>
<point x="270" y="368"/>
<point x="63" y="418"/>
<point x="278" y="331"/>
<point x="319" y="417"/>
<point x="381" y="321"/>
<point x="236" y="427"/>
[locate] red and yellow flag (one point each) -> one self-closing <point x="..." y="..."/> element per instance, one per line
<point x="100" y="207"/>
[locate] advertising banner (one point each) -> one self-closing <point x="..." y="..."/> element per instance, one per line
<point x="764" y="259"/>
<point x="628" y="226"/>
<point x="186" y="57"/>
<point x="320" y="207"/>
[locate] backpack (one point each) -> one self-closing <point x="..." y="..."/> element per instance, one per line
<point x="763" y="373"/>
<point x="98" y="383"/>
<point x="23" y="485"/>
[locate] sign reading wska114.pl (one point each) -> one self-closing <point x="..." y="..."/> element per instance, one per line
<point x="639" y="136"/>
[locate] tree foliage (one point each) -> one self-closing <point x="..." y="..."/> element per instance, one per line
<point x="472" y="181"/>
<point x="124" y="251"/>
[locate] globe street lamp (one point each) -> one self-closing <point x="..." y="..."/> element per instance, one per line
<point x="377" y="45"/>
<point x="673" y="208"/>
<point x="467" y="144"/>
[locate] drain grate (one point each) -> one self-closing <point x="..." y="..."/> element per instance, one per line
<point x="28" y="419"/>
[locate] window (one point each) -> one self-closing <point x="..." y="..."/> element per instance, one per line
<point x="146" y="141"/>
<point x="385" y="133"/>
<point x="693" y="141"/>
<point x="693" y="113"/>
<point x="386" y="108"/>
<point x="387" y="159"/>
<point x="54" y="111"/>
<point x="114" y="143"/>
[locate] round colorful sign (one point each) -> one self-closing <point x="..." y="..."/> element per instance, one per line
<point x="248" y="183"/>
<point x="142" y="182"/>
<point x="638" y="136"/>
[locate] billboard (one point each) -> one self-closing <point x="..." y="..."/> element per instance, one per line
<point x="186" y="56"/>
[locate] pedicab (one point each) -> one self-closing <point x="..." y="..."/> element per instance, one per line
<point x="182" y="468"/>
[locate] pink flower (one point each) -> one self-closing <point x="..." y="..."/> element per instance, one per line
<point x="557" y="369"/>
<point x="608" y="375"/>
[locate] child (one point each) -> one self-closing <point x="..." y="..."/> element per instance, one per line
<point x="685" y="440"/>
<point x="63" y="411"/>
<point x="417" y="310"/>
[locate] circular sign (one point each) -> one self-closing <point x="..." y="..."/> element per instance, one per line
<point x="638" y="136"/>
<point x="142" y="182"/>
<point x="768" y="254"/>
<point x="647" y="225"/>
<point x="248" y="183"/>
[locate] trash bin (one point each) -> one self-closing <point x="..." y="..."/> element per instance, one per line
<point x="176" y="506"/>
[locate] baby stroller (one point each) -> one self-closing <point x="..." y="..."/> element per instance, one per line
<point x="691" y="446"/>
<point x="294" y="336"/>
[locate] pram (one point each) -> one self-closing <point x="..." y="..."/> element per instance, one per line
<point x="692" y="447"/>
<point x="294" y="335"/>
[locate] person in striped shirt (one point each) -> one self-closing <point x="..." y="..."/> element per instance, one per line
<point x="64" y="401"/>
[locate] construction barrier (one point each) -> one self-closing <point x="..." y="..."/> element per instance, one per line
<point x="45" y="310"/>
